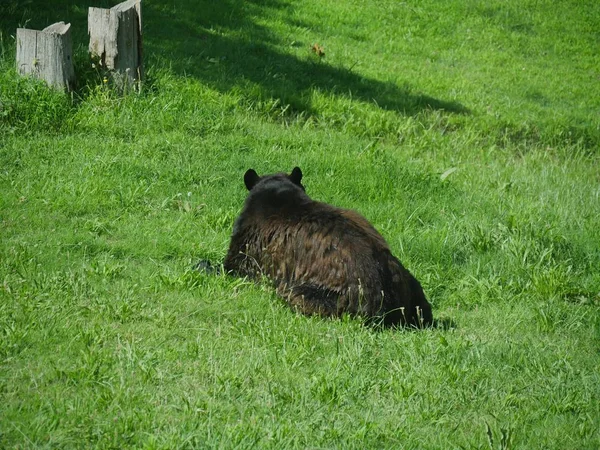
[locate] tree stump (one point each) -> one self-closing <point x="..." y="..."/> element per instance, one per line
<point x="47" y="54"/>
<point x="116" y="40"/>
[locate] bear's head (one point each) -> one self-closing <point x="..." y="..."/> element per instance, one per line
<point x="251" y="178"/>
<point x="275" y="191"/>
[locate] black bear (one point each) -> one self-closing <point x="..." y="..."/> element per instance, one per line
<point x="322" y="259"/>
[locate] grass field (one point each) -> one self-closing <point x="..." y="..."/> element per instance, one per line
<point x="467" y="132"/>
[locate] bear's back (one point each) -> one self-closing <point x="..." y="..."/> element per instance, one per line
<point x="324" y="247"/>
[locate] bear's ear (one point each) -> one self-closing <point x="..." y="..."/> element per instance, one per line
<point x="251" y="178"/>
<point x="296" y="176"/>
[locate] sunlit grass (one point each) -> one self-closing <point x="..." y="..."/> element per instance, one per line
<point x="466" y="132"/>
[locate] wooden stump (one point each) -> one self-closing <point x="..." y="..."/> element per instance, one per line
<point x="47" y="54"/>
<point x="116" y="40"/>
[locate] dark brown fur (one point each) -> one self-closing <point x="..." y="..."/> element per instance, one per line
<point x="323" y="260"/>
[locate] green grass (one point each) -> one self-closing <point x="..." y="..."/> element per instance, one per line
<point x="108" y="339"/>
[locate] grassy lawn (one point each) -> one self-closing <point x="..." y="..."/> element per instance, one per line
<point x="467" y="132"/>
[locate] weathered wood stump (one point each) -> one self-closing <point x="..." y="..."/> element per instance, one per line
<point x="116" y="40"/>
<point x="47" y="54"/>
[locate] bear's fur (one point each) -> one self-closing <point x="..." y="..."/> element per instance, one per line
<point x="322" y="259"/>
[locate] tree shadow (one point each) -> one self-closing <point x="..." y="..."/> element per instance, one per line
<point x="38" y="14"/>
<point x="227" y="48"/>
<point x="224" y="45"/>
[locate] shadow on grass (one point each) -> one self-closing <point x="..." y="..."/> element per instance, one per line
<point x="224" y="45"/>
<point x="226" y="48"/>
